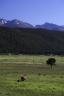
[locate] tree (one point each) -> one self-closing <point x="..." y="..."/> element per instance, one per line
<point x="51" y="62"/>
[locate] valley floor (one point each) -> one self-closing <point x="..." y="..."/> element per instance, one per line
<point x="40" y="81"/>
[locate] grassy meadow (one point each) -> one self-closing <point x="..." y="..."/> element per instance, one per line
<point x="41" y="80"/>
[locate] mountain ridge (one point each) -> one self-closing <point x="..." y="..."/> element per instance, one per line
<point x="15" y="23"/>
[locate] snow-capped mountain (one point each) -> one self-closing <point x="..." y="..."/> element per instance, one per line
<point x="3" y="21"/>
<point x="50" y="26"/>
<point x="15" y="24"/>
<point x="20" y="24"/>
<point x="47" y="26"/>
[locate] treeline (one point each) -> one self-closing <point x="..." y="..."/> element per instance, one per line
<point x="31" y="41"/>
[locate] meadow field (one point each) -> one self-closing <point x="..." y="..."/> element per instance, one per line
<point x="41" y="80"/>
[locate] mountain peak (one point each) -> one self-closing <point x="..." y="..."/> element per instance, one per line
<point x="15" y="23"/>
<point x="3" y="21"/>
<point x="50" y="26"/>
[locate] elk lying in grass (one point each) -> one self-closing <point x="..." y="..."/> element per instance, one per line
<point x="22" y="78"/>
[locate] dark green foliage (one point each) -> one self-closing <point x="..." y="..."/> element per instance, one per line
<point x="31" y="41"/>
<point x="18" y="80"/>
<point x="51" y="62"/>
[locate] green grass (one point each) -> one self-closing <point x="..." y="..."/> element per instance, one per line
<point x="41" y="80"/>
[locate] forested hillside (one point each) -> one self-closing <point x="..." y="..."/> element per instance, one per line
<point x="31" y="41"/>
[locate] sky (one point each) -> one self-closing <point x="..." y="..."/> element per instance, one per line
<point x="33" y="11"/>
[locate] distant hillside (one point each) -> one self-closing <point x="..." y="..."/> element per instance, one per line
<point x="31" y="41"/>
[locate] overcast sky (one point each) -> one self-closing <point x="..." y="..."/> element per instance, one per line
<point x="33" y="11"/>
